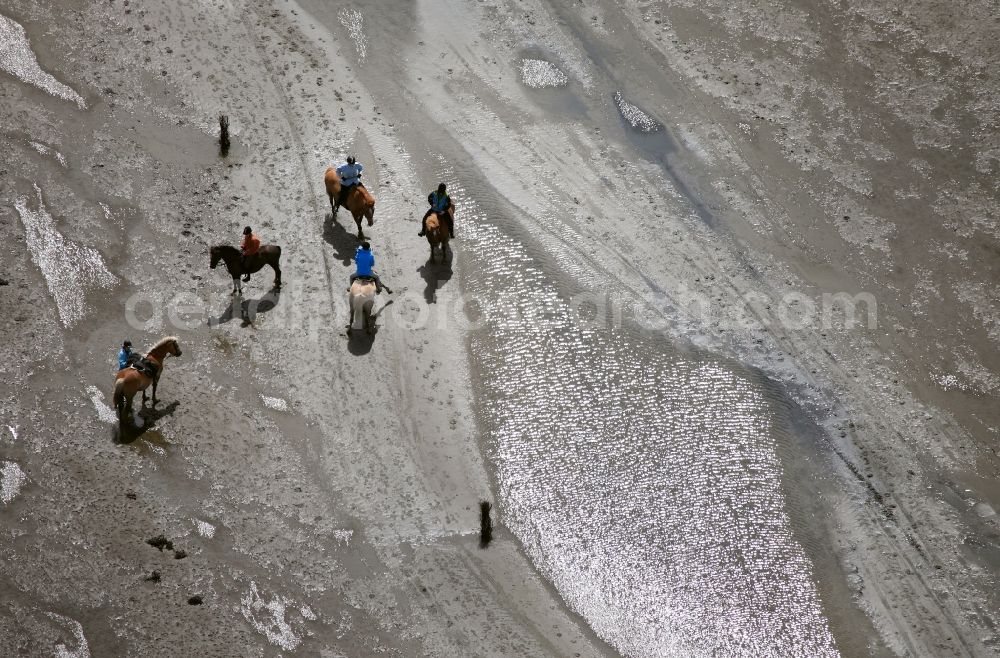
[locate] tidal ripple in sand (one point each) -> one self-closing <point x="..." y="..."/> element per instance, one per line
<point x="17" y="58"/>
<point x="69" y="269"/>
<point x="644" y="484"/>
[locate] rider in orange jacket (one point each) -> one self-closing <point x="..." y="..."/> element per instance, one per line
<point x="248" y="247"/>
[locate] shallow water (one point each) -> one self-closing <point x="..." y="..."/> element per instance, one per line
<point x="70" y="270"/>
<point x="12" y="478"/>
<point x="645" y="483"/>
<point x="538" y="74"/>
<point x="17" y="58"/>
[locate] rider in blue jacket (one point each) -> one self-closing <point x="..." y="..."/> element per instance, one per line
<point x="440" y="203"/>
<point x="350" y="175"/>
<point x="364" y="264"/>
<point x="124" y="354"/>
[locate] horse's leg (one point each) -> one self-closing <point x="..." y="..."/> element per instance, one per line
<point x="361" y="233"/>
<point x="277" y="274"/>
<point x="126" y="410"/>
<point x="350" y="320"/>
<point x="156" y="380"/>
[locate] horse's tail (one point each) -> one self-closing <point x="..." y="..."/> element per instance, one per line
<point x="358" y="306"/>
<point x="119" y="396"/>
<point x="332" y="181"/>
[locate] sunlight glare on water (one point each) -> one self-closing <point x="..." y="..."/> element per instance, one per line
<point x="17" y="58"/>
<point x="644" y="484"/>
<point x="68" y="268"/>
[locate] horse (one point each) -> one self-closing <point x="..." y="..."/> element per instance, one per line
<point x="361" y="301"/>
<point x="437" y="234"/>
<point x="268" y="254"/>
<point x="359" y="200"/>
<point x="130" y="381"/>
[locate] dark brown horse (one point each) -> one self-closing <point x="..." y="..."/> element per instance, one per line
<point x="268" y="254"/>
<point x="359" y="201"/>
<point x="130" y="381"/>
<point x="437" y="234"/>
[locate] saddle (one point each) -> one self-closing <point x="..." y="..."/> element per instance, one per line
<point x="143" y="365"/>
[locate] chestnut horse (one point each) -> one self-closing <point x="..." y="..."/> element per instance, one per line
<point x="437" y="234"/>
<point x="359" y="201"/>
<point x="130" y="381"/>
<point x="268" y="254"/>
<point x="361" y="301"/>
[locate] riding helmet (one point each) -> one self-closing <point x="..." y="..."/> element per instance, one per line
<point x="247" y="231"/>
<point x="350" y="159"/>
<point x="442" y="187"/>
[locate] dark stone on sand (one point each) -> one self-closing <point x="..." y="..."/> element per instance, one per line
<point x="153" y="577"/>
<point x="161" y="542"/>
<point x="4" y="282"/>
<point x="130" y="495"/>
<point x="195" y="600"/>
<point x="180" y="554"/>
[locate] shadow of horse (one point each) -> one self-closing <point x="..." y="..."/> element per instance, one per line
<point x="344" y="242"/>
<point x="435" y="275"/>
<point x="129" y="432"/>
<point x="248" y="308"/>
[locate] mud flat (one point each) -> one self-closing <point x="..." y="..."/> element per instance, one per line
<point x="628" y="351"/>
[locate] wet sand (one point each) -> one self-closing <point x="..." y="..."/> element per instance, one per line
<point x="696" y="478"/>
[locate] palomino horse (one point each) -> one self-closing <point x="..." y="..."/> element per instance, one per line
<point x="361" y="301"/>
<point x="437" y="234"/>
<point x="268" y="254"/>
<point x="130" y="381"/>
<point x="359" y="201"/>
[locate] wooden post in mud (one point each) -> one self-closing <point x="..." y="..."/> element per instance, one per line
<point x="223" y="135"/>
<point x="485" y="524"/>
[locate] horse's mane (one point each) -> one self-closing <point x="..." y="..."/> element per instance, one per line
<point x="225" y="247"/>
<point x="163" y="341"/>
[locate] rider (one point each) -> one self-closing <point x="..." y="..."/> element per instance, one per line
<point x="125" y="354"/>
<point x="249" y="247"/>
<point x="350" y="175"/>
<point x="441" y="204"/>
<point x="364" y="261"/>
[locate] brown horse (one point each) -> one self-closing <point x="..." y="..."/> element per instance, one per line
<point x="359" y="201"/>
<point x="437" y="234"/>
<point x="268" y="254"/>
<point x="130" y="381"/>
